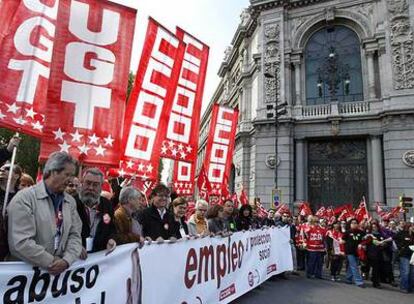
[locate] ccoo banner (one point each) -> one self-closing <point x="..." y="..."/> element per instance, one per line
<point x="90" y="76"/>
<point x="151" y="100"/>
<point x="220" y="146"/>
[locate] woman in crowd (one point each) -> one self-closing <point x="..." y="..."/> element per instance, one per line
<point x="26" y="181"/>
<point x="353" y="238"/>
<point x="404" y="239"/>
<point x="336" y="250"/>
<point x="244" y="220"/>
<point x="215" y="219"/>
<point x="179" y="208"/>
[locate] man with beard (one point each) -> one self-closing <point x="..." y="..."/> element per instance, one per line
<point x="96" y="213"/>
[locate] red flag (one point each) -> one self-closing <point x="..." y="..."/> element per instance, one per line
<point x="86" y="99"/>
<point x="181" y="140"/>
<point x="379" y="210"/>
<point x="220" y="145"/>
<point x="39" y="176"/>
<point x="235" y="200"/>
<point x="27" y="31"/>
<point x="346" y="213"/>
<point x="190" y="209"/>
<point x="321" y="213"/>
<point x="145" y="186"/>
<point x="283" y="208"/>
<point x="304" y="209"/>
<point x="338" y="210"/>
<point x="361" y="212"/>
<point x="244" y="200"/>
<point x="183" y="178"/>
<point x="261" y="211"/>
<point x="225" y="194"/>
<point x="203" y="184"/>
<point x="151" y="100"/>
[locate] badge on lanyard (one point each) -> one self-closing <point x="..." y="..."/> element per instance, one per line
<point x="166" y="226"/>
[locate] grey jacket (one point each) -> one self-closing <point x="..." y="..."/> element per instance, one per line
<point x="32" y="228"/>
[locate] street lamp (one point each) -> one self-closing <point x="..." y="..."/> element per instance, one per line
<point x="278" y="110"/>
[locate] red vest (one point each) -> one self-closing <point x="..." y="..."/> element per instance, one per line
<point x="315" y="238"/>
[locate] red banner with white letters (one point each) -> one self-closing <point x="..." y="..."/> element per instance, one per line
<point x="151" y="100"/>
<point x="27" y="31"/>
<point x="183" y="178"/>
<point x="86" y="99"/>
<point x="181" y="141"/>
<point x="220" y="146"/>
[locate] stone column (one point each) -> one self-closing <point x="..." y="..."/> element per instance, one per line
<point x="377" y="169"/>
<point x="371" y="74"/>
<point x="296" y="64"/>
<point x="300" y="169"/>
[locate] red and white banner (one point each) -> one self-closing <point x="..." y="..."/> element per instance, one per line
<point x="183" y="178"/>
<point x="220" y="145"/>
<point x="213" y="269"/>
<point x="181" y="140"/>
<point x="151" y="100"/>
<point x="27" y="31"/>
<point x="86" y="99"/>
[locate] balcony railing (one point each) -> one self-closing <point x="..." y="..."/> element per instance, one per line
<point x="334" y="109"/>
<point x="316" y="111"/>
<point x="354" y="107"/>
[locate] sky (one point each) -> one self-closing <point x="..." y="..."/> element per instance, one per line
<point x="212" y="21"/>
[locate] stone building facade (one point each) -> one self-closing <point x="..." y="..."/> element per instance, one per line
<point x="346" y="70"/>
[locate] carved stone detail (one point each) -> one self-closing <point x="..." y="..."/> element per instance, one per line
<point x="271" y="161"/>
<point x="271" y="62"/>
<point x="408" y="158"/>
<point x="244" y="17"/>
<point x="402" y="44"/>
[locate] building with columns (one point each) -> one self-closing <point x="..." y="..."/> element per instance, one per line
<point x="346" y="70"/>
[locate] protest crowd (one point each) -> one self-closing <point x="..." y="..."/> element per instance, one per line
<point x="61" y="219"/>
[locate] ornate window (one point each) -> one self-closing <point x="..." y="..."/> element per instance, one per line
<point x="333" y="66"/>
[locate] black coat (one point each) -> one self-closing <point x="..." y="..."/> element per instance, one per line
<point x="178" y="226"/>
<point x="154" y="227"/>
<point x="104" y="232"/>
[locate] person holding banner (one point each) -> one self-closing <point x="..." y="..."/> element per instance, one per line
<point x="156" y="220"/>
<point x="44" y="226"/>
<point x="96" y="213"/>
<point x="128" y="229"/>
<point x="197" y="224"/>
<point x="215" y="219"/>
<point x="228" y="218"/>
<point x="179" y="208"/>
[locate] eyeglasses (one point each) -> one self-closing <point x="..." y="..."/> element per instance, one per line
<point x="163" y="195"/>
<point x="71" y="185"/>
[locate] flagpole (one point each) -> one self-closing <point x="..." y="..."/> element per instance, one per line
<point x="9" y="178"/>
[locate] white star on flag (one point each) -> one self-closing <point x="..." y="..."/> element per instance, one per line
<point x="189" y="149"/>
<point x="84" y="149"/>
<point x="30" y="113"/>
<point x="76" y="137"/>
<point x="64" y="147"/>
<point x="59" y="134"/>
<point x="171" y="143"/>
<point x="180" y="147"/>
<point x="2" y="115"/>
<point x="181" y="185"/>
<point x="19" y="120"/>
<point x="130" y="164"/>
<point x="13" y="108"/>
<point x="93" y="139"/>
<point x="141" y="167"/>
<point x="109" y="140"/>
<point x="121" y="172"/>
<point x="183" y="155"/>
<point x="144" y="177"/>
<point x="100" y="150"/>
<point x="149" y="168"/>
<point x="37" y="126"/>
<point x="163" y="150"/>
<point x="174" y="152"/>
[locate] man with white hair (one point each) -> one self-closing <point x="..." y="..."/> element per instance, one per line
<point x="44" y="227"/>
<point x="197" y="224"/>
<point x="129" y="230"/>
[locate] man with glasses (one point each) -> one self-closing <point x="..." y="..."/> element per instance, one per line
<point x="156" y="220"/>
<point x="197" y="224"/>
<point x="96" y="213"/>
